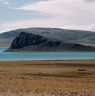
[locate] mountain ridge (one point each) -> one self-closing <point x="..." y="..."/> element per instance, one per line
<point x="74" y="36"/>
<point x="30" y="42"/>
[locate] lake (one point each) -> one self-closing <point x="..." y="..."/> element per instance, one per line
<point x="45" y="55"/>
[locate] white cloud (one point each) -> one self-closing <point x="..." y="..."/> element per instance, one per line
<point x="4" y="2"/>
<point x="74" y="14"/>
<point x="54" y="7"/>
<point x="89" y="0"/>
<point x="51" y="23"/>
<point x="70" y="11"/>
<point x="67" y="9"/>
<point x="28" y="23"/>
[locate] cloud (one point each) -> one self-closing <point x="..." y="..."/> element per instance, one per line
<point x="4" y="2"/>
<point x="53" y="6"/>
<point x="68" y="11"/>
<point x="74" y="14"/>
<point x="28" y="23"/>
<point x="51" y="23"/>
<point x="90" y="0"/>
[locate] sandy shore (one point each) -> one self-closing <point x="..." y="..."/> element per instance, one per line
<point x="47" y="78"/>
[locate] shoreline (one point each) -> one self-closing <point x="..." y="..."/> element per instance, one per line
<point x="52" y="60"/>
<point x="56" y="61"/>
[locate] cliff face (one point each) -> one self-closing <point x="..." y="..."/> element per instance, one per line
<point x="32" y="42"/>
<point x="26" y="39"/>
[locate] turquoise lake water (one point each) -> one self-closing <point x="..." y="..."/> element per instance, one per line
<point x="45" y="55"/>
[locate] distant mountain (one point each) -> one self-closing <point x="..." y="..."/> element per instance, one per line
<point x="7" y="37"/>
<point x="73" y="36"/>
<point x="32" y="42"/>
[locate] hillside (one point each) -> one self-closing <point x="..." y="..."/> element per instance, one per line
<point x="7" y="37"/>
<point x="74" y="36"/>
<point x="31" y="42"/>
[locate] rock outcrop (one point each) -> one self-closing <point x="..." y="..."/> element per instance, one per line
<point x="74" y="36"/>
<point x="32" y="42"/>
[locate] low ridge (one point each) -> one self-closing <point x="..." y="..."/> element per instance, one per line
<point x="32" y="42"/>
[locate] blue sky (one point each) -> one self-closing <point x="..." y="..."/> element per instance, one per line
<point x="9" y="14"/>
<point x="70" y="14"/>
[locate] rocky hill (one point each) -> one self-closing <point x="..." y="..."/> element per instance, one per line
<point x="32" y="42"/>
<point x="74" y="36"/>
<point x="7" y="37"/>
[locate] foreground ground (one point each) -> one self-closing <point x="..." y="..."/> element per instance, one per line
<point x="47" y="78"/>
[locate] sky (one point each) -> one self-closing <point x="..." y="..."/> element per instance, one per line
<point x="68" y="14"/>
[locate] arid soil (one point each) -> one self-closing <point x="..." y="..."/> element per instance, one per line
<point x="47" y="78"/>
